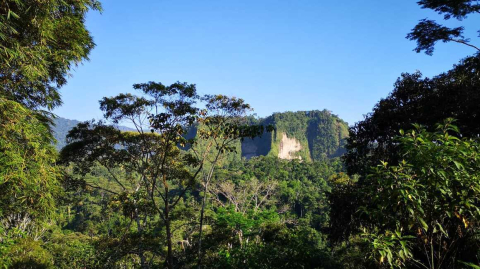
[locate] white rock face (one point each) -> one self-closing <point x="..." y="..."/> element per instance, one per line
<point x="288" y="148"/>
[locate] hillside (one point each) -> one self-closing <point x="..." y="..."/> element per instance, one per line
<point x="62" y="126"/>
<point x="306" y="135"/>
<point x="60" y="130"/>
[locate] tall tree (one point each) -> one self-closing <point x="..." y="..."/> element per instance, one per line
<point x="222" y="126"/>
<point x="415" y="99"/>
<point x="156" y="172"/>
<point x="40" y="42"/>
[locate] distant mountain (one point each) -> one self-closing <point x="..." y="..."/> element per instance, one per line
<point x="60" y="130"/>
<point x="307" y="135"/>
<point x="63" y="126"/>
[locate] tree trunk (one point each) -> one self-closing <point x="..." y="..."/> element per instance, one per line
<point x="143" y="260"/>
<point x="169" y="233"/>
<point x="201" y="225"/>
<point x="207" y="181"/>
<point x="169" y="245"/>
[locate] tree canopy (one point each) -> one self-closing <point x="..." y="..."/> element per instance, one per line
<point x="41" y="42"/>
<point x="428" y="32"/>
<point x="415" y="99"/>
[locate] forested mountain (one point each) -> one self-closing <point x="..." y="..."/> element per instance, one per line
<point x="307" y="135"/>
<point x="60" y="130"/>
<point x="62" y="126"/>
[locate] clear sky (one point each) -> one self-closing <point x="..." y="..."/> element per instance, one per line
<point x="278" y="55"/>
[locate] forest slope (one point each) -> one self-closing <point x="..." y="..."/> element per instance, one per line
<point x="306" y="135"/>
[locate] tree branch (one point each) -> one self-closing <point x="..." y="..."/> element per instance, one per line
<point x="465" y="43"/>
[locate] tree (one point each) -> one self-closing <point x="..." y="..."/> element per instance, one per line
<point x="246" y="196"/>
<point x="41" y="42"/>
<point x="29" y="184"/>
<point x="150" y="165"/>
<point x="262" y="240"/>
<point x="344" y="200"/>
<point x="268" y="213"/>
<point x="428" y="32"/>
<point x="155" y="172"/>
<point x="425" y="211"/>
<point x="425" y="101"/>
<point x="415" y="99"/>
<point x="28" y="175"/>
<point x="222" y="125"/>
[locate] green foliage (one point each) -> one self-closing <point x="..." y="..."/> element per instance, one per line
<point x="175" y="191"/>
<point x="415" y="99"/>
<point x="150" y="171"/>
<point x="321" y="134"/>
<point x="297" y="189"/>
<point x="28" y="175"/>
<point x="57" y="250"/>
<point x="260" y="240"/>
<point x="352" y="253"/>
<point x="427" y="32"/>
<point x="28" y="253"/>
<point x="155" y="167"/>
<point x="344" y="200"/>
<point x="243" y="223"/>
<point x="72" y="250"/>
<point x="391" y="248"/>
<point x="284" y="230"/>
<point x="326" y="135"/>
<point x="41" y="42"/>
<point x="432" y="196"/>
<point x="457" y="9"/>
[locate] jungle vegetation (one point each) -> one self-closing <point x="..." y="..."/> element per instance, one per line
<point x="400" y="190"/>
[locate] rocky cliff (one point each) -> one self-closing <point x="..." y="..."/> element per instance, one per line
<point x="304" y="135"/>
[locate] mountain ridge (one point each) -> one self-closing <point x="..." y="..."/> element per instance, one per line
<point x="305" y="135"/>
<point x="61" y="127"/>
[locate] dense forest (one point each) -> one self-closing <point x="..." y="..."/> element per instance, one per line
<point x="197" y="181"/>
<point x="317" y="135"/>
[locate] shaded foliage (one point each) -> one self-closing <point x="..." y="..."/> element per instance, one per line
<point x="415" y="99"/>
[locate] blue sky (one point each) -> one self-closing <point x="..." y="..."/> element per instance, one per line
<point x="278" y="55"/>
